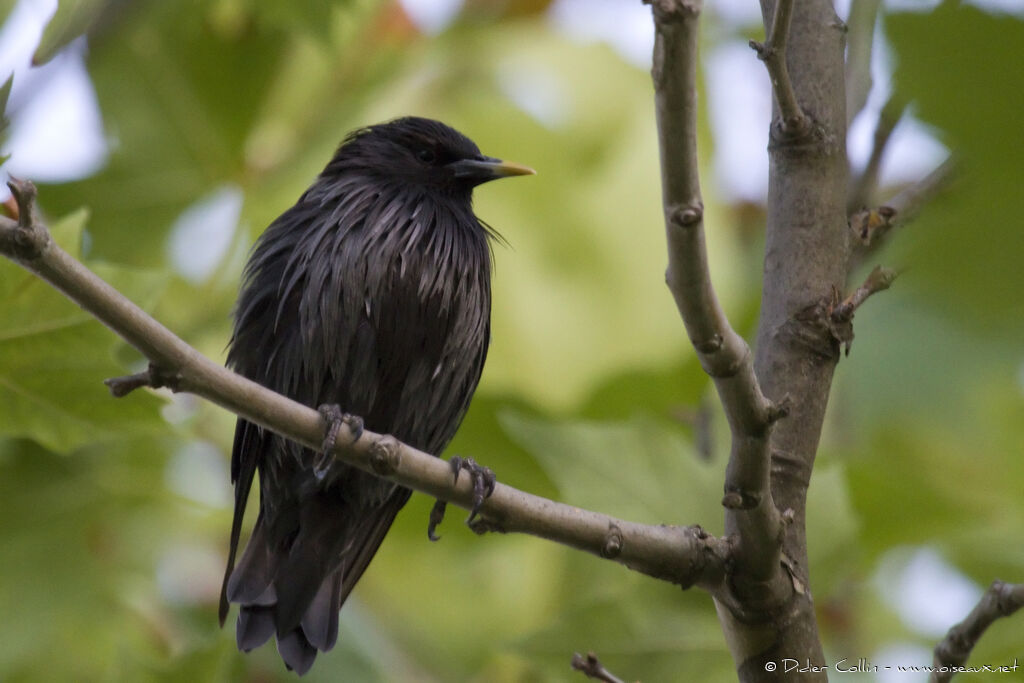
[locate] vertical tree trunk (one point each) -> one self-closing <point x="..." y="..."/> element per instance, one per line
<point x="806" y="252"/>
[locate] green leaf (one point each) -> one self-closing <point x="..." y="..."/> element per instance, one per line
<point x="959" y="253"/>
<point x="642" y="631"/>
<point x="5" y="93"/>
<point x="638" y="469"/>
<point x="832" y="528"/>
<point x="54" y="356"/>
<point x="6" y="7"/>
<point x="72" y="19"/>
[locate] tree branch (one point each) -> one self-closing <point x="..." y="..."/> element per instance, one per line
<point x="772" y="52"/>
<point x="681" y="555"/>
<point x="871" y="225"/>
<point x="908" y="203"/>
<point x="840" y="313"/>
<point x="806" y="256"/>
<point x="591" y="667"/>
<point x="860" y="32"/>
<point x="1000" y="600"/>
<point x="867" y="182"/>
<point x="878" y="280"/>
<point x="723" y="354"/>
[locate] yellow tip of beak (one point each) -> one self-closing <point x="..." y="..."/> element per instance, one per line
<point x="510" y="168"/>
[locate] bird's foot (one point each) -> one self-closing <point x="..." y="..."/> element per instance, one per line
<point x="335" y="418"/>
<point x="483" y="486"/>
<point x="483" y="482"/>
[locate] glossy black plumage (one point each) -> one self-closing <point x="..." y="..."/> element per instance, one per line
<point x="373" y="293"/>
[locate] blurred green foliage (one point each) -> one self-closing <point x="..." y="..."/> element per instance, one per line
<point x="114" y="514"/>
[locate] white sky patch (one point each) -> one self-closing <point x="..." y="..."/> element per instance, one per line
<point x="197" y="471"/>
<point x="740" y="101"/>
<point x="626" y="25"/>
<point x="913" y="151"/>
<point x="21" y="33"/>
<point x="1014" y="7"/>
<point x="927" y="593"/>
<point x="201" y="235"/>
<point x="537" y="90"/>
<point x="736" y="13"/>
<point x="56" y="132"/>
<point x="920" y="6"/>
<point x="432" y="16"/>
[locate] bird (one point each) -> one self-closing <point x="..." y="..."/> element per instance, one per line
<point x="370" y="299"/>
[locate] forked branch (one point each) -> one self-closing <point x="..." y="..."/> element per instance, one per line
<point x="682" y="555"/>
<point x="723" y="354"/>
<point x="1000" y="600"/>
<point x="773" y="53"/>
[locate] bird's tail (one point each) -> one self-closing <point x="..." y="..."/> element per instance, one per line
<point x="293" y="588"/>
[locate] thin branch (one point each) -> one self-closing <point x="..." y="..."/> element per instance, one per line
<point x="591" y="667"/>
<point x="908" y="203"/>
<point x="866" y="183"/>
<point x="773" y="53"/>
<point x="723" y="354"/>
<point x="871" y="225"/>
<point x="860" y="38"/>
<point x="840" y="319"/>
<point x="1000" y="600"/>
<point x="682" y="555"/>
<point x="878" y="280"/>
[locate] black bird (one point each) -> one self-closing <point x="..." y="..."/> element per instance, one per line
<point x="371" y="293"/>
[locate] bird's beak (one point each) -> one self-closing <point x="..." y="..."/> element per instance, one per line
<point x="483" y="169"/>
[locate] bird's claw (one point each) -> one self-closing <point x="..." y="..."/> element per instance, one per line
<point x="436" y="517"/>
<point x="335" y="418"/>
<point x="483" y="486"/>
<point x="483" y="482"/>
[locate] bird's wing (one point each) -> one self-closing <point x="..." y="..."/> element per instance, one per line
<point x="243" y="469"/>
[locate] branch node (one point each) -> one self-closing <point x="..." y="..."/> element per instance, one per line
<point x="590" y="666"/>
<point x="709" y="345"/>
<point x="840" y="314"/>
<point x="481" y="526"/>
<point x="869" y="224"/>
<point x="794" y="127"/>
<point x="153" y="377"/>
<point x="24" y="193"/>
<point x="385" y="455"/>
<point x="668" y="11"/>
<point x="687" y="216"/>
<point x="28" y="239"/>
<point x="612" y="543"/>
<point x="741" y="500"/>
<point x="780" y="409"/>
<point x="788" y="516"/>
<point x="763" y="51"/>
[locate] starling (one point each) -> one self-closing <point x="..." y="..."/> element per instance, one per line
<point x="371" y="294"/>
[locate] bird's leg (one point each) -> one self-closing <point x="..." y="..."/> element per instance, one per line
<point x="483" y="486"/>
<point x="335" y="418"/>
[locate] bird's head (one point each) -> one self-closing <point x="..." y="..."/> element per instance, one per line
<point x="423" y="152"/>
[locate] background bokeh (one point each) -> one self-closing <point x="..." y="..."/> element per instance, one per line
<point x="166" y="139"/>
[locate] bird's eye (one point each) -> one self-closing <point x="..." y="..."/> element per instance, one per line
<point x="426" y="155"/>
